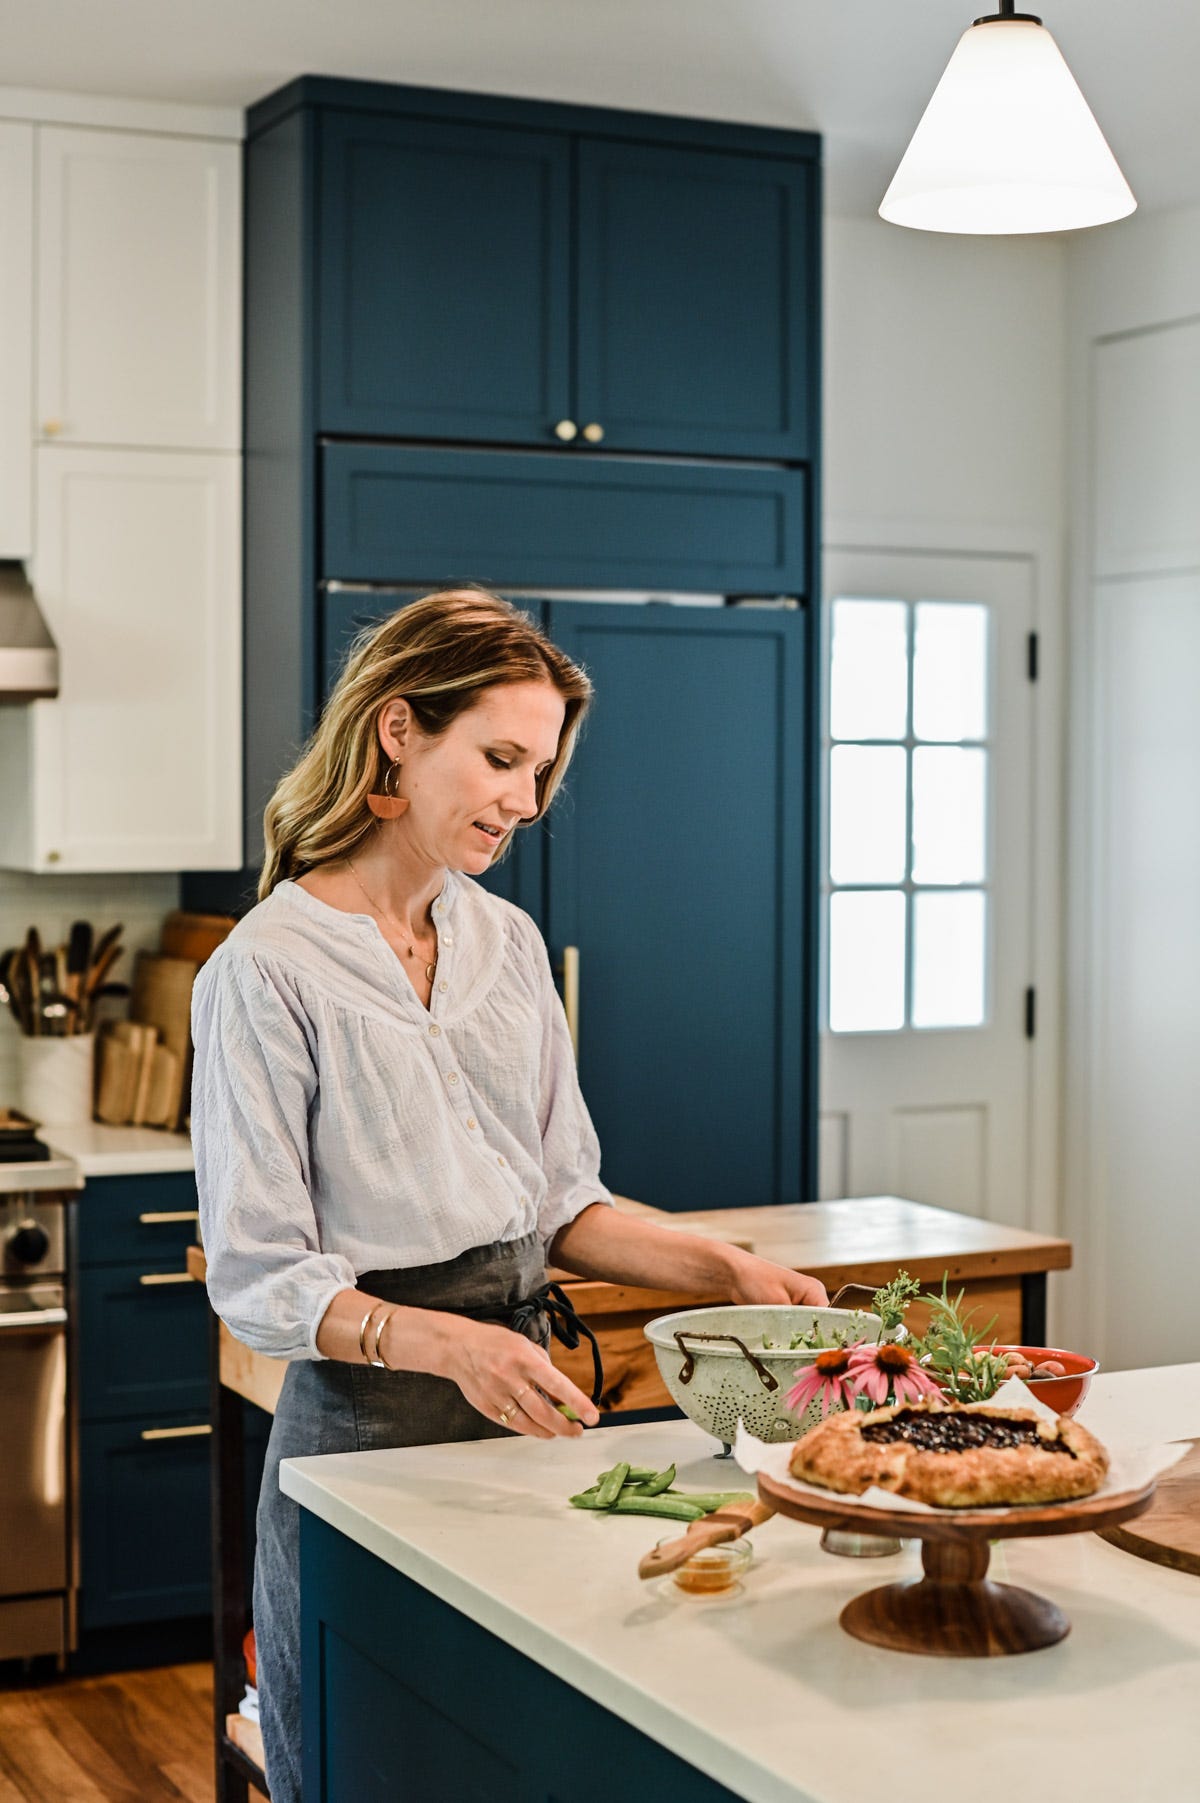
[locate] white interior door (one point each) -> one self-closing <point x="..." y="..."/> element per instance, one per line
<point x="925" y="1063"/>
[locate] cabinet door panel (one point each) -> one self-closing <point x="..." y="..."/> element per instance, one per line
<point x="16" y="339"/>
<point x="137" y="764"/>
<point x="122" y="1219"/>
<point x="145" y="1534"/>
<point x="697" y="320"/>
<point x="679" y="871"/>
<point x="138" y="313"/>
<point x="143" y="1348"/>
<point x="444" y="279"/>
<point x="568" y="522"/>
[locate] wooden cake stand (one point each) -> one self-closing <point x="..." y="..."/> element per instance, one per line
<point x="955" y="1610"/>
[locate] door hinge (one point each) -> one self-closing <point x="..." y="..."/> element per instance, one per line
<point x="1031" y="657"/>
<point x="1030" y="1013"/>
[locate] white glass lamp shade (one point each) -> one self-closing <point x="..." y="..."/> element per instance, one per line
<point x="1007" y="144"/>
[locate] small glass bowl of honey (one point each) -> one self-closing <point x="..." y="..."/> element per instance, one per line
<point x="713" y="1570"/>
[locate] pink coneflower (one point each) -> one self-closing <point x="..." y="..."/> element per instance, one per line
<point x="826" y="1377"/>
<point x="873" y="1370"/>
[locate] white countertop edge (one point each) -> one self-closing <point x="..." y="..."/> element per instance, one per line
<point x="604" y="1685"/>
<point x="101" y="1151"/>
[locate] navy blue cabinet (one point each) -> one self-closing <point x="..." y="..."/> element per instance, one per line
<point x="444" y="299"/>
<point x="481" y="282"/>
<point x="676" y="864"/>
<point x="141" y="1327"/>
<point x="696" y="314"/>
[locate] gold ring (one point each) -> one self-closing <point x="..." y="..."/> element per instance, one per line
<point x="503" y="1417"/>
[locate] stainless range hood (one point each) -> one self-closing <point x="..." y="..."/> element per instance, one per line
<point x="28" y="654"/>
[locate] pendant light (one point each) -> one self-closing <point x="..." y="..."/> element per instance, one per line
<point x="1008" y="142"/>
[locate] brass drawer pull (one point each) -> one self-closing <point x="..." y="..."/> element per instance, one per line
<point x="167" y="1277"/>
<point x="176" y="1433"/>
<point x="163" y="1220"/>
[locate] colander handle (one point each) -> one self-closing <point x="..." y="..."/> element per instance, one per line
<point x="864" y="1289"/>
<point x="765" y="1377"/>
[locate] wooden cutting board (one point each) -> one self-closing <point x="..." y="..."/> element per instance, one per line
<point x="1169" y="1532"/>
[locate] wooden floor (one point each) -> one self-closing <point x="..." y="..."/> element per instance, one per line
<point x="131" y="1737"/>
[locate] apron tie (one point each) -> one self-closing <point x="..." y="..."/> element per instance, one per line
<point x="550" y="1303"/>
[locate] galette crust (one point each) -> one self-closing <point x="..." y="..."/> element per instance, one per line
<point x="835" y="1456"/>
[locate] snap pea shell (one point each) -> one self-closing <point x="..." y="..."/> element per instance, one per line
<point x="662" y="1480"/>
<point x="673" y="1508"/>
<point x="610" y="1484"/>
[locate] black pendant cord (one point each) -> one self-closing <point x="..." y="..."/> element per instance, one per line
<point x="1007" y="12"/>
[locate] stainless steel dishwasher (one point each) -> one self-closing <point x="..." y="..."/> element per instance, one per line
<point x="36" y="1552"/>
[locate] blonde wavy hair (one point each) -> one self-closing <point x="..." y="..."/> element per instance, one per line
<point x="440" y="653"/>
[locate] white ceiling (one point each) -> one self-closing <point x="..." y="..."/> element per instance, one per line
<point x="859" y="71"/>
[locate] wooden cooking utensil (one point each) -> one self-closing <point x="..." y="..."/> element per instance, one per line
<point x="728" y="1523"/>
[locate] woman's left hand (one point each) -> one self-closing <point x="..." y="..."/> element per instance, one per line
<point x="758" y="1280"/>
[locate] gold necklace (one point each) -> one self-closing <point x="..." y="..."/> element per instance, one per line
<point x="412" y="950"/>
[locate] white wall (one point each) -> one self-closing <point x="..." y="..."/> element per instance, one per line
<point x="1132" y="1143"/>
<point x="51" y="903"/>
<point x="944" y="432"/>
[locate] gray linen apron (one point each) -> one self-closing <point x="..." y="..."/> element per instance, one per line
<point x="328" y="1406"/>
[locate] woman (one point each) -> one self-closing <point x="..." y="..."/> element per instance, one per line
<point x="390" y="1138"/>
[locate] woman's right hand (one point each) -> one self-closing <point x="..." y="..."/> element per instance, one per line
<point x="503" y="1373"/>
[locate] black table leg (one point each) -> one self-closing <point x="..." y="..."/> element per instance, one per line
<point x="1033" y="1308"/>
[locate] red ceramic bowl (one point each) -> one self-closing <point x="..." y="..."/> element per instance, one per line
<point x="1063" y="1394"/>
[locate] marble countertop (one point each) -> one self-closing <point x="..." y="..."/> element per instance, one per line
<point x="101" y="1151"/>
<point x="764" y="1690"/>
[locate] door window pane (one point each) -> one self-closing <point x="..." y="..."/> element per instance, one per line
<point x="948" y="959"/>
<point x="866" y="961"/>
<point x="950" y="670"/>
<point x="868" y="814"/>
<point x="868" y="696"/>
<point x="949" y="815"/>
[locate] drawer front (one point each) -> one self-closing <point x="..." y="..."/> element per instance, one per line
<point x="393" y="515"/>
<point x="125" y="1218"/>
<point x="146" y="1530"/>
<point x="142" y="1345"/>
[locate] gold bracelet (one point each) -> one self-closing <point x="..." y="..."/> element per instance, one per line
<point x="378" y="1360"/>
<point x="362" y="1332"/>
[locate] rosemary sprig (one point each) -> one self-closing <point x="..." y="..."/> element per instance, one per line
<point x="949" y="1349"/>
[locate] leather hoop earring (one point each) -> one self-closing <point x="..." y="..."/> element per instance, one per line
<point x="388" y="806"/>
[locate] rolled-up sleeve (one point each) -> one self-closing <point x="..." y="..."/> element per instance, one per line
<point x="570" y="1148"/>
<point x="253" y="1084"/>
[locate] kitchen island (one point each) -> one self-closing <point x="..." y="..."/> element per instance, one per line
<point x="468" y="1635"/>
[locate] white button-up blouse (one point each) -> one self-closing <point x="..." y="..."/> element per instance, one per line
<point x="340" y="1127"/>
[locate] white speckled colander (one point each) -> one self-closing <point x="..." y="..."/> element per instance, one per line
<point x="721" y="1380"/>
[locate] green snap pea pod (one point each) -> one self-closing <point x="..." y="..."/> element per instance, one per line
<point x="565" y="1409"/>
<point x="662" y="1480"/>
<point x="610" y="1485"/>
<point x="673" y="1507"/>
<point x="640" y="1474"/>
<point x="627" y="1489"/>
<point x="586" y="1500"/>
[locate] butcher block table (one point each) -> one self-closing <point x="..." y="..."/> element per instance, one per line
<point x="867" y="1240"/>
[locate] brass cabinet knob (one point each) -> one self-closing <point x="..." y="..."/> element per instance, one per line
<point x="566" y="429"/>
<point x="53" y="857"/>
<point x="51" y="428"/>
<point x="593" y="433"/>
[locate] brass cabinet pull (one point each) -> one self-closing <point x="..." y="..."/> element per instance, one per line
<point x="176" y="1433"/>
<point x="566" y="429"/>
<point x="167" y="1277"/>
<point x="175" y="1214"/>
<point x="593" y="433"/>
<point x="51" y="428"/>
<point x="570" y="970"/>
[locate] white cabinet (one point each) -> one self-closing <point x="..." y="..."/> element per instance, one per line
<point x="138" y="258"/>
<point x="16" y="337"/>
<point x="137" y="765"/>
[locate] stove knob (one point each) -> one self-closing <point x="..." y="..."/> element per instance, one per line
<point x="29" y="1244"/>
